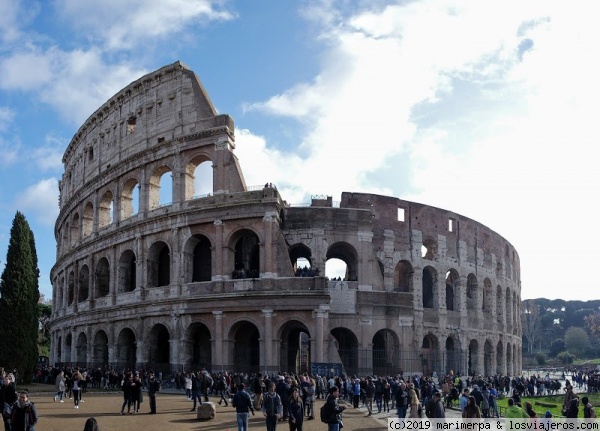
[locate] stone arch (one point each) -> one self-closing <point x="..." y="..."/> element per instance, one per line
<point x="198" y="167"/>
<point x="84" y="284"/>
<point x="488" y="358"/>
<point x="453" y="354"/>
<point x="71" y="288"/>
<point x="245" y="349"/>
<point x="347" y="347"/>
<point x="68" y="350"/>
<point x="346" y="253"/>
<point x="158" y="353"/>
<point x="474" y="367"/>
<point x="75" y="229"/>
<point x="81" y="350"/>
<point x="472" y="292"/>
<point x="126" y="349"/>
<point x="429" y="287"/>
<point x="105" y="210"/>
<point x="499" y="358"/>
<point x="198" y="346"/>
<point x="429" y="249"/>
<point x="128" y="198"/>
<point x="246" y="259"/>
<point x="386" y="349"/>
<point x="127" y="272"/>
<point x="198" y="259"/>
<point x="102" y="278"/>
<point x="429" y="354"/>
<point x="294" y="342"/>
<point x="509" y="363"/>
<point x="486" y="303"/>
<point x="154" y="188"/>
<point x="100" y="349"/>
<point x="300" y="251"/>
<point x="403" y="276"/>
<point x="159" y="265"/>
<point x="452" y="290"/>
<point x="87" y="224"/>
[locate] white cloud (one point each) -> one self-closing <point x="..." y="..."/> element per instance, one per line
<point x="49" y="156"/>
<point x="41" y="200"/>
<point x="123" y="24"/>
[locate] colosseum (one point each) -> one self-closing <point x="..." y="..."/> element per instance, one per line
<point x="152" y="273"/>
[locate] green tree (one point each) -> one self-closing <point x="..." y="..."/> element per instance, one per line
<point x="44" y="315"/>
<point x="19" y="295"/>
<point x="577" y="340"/>
<point x="531" y="322"/>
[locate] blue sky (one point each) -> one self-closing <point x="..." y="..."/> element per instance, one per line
<point x="488" y="109"/>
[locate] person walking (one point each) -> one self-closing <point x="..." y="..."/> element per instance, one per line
<point x="334" y="410"/>
<point x="75" y="388"/>
<point x="296" y="411"/>
<point x="8" y="396"/>
<point x="59" y="385"/>
<point x="153" y="389"/>
<point x="272" y="408"/>
<point x="243" y="406"/>
<point x="127" y="388"/>
<point x="24" y="415"/>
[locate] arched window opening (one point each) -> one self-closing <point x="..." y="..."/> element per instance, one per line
<point x="403" y="277"/>
<point x="429" y="249"/>
<point x="472" y="292"/>
<point x="203" y="179"/>
<point x="71" y="288"/>
<point x="127" y="272"/>
<point x="102" y="278"/>
<point x="84" y="283"/>
<point x="202" y="259"/>
<point x="105" y="213"/>
<point x="301" y="258"/>
<point x="247" y="255"/>
<point x="452" y="290"/>
<point x="346" y="253"/>
<point x="75" y="229"/>
<point x="160" y="188"/>
<point x="88" y="220"/>
<point x="130" y="199"/>
<point x="429" y="281"/>
<point x="336" y="269"/>
<point x="159" y="265"/>
<point x="486" y="303"/>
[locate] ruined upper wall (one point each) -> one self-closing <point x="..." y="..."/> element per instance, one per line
<point x="161" y="106"/>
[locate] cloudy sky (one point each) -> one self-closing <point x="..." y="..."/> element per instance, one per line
<point x="487" y="109"/>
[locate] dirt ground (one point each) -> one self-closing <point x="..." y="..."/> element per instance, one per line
<point x="173" y="414"/>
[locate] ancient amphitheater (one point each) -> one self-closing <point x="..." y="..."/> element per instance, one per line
<point x="209" y="280"/>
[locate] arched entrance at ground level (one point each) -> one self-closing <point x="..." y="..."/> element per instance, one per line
<point x="100" y="350"/>
<point x="126" y="355"/>
<point x="385" y="353"/>
<point x="68" y="342"/>
<point x="158" y="355"/>
<point x="499" y="356"/>
<point x="81" y="350"/>
<point x="488" y="358"/>
<point x="474" y="367"/>
<point x="294" y="356"/>
<point x="347" y="347"/>
<point x="429" y="355"/>
<point x="198" y="346"/>
<point x="246" y="348"/>
<point x="453" y="356"/>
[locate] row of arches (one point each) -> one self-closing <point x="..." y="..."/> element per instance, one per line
<point x="130" y="195"/>
<point x="293" y="350"/>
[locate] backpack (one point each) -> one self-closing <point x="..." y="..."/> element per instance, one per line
<point x="325" y="413"/>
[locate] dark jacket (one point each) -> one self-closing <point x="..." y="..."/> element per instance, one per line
<point x="296" y="411"/>
<point x="242" y="402"/>
<point x="335" y="408"/>
<point x="24" y="414"/>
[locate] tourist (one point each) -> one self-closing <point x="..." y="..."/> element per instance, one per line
<point x="272" y="408"/>
<point x="91" y="425"/>
<point x="334" y="409"/>
<point x="296" y="411"/>
<point x="59" y="385"/>
<point x="153" y="389"/>
<point x="24" y="415"/>
<point x="243" y="406"/>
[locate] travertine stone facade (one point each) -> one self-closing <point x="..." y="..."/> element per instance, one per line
<point x="209" y="280"/>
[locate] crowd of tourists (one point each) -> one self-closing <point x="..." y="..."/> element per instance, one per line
<point x="291" y="397"/>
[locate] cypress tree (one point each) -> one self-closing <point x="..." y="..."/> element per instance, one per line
<point x="19" y="292"/>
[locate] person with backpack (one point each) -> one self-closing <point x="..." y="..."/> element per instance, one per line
<point x="24" y="415"/>
<point x="588" y="409"/>
<point x="272" y="408"/>
<point x="331" y="412"/>
<point x="243" y="406"/>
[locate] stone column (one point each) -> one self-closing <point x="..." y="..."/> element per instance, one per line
<point x="217" y="356"/>
<point x="110" y="333"/>
<point x="268" y="271"/>
<point x="268" y="362"/>
<point x="365" y="262"/>
<point x="220" y="258"/>
<point x="320" y="315"/>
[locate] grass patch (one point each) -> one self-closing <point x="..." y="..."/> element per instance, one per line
<point x="553" y="403"/>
